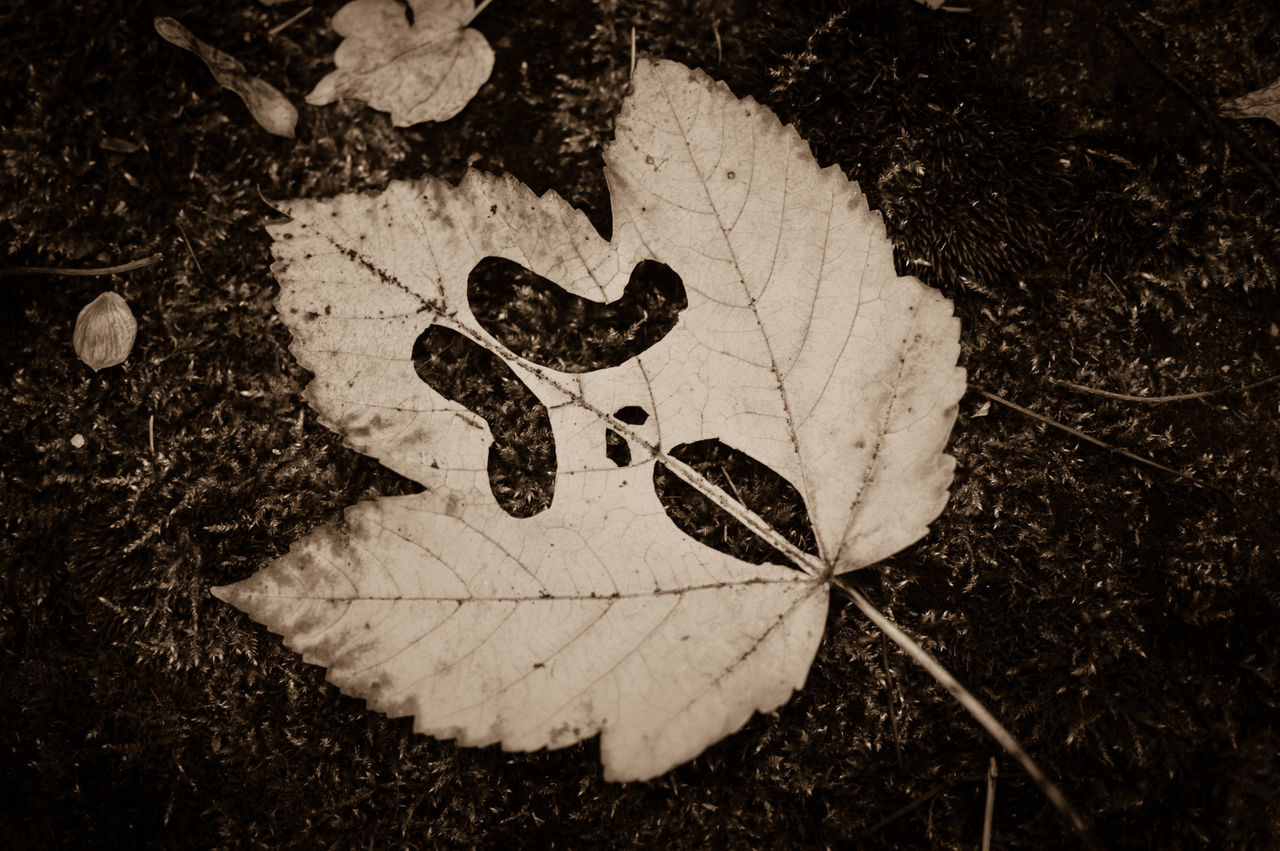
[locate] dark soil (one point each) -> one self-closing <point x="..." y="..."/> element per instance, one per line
<point x="1053" y="168"/>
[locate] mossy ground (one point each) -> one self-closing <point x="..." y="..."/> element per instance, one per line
<point x="1090" y="223"/>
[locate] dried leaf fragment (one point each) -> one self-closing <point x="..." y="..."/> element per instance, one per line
<point x="1263" y="103"/>
<point x="267" y="105"/>
<point x="105" y="331"/>
<point x="424" y="71"/>
<point x="797" y="345"/>
<point x="118" y="145"/>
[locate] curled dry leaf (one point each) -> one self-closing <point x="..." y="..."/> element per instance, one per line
<point x="268" y="106"/>
<point x="1264" y="103"/>
<point x="105" y="331"/>
<point x="427" y="70"/>
<point x="796" y="345"/>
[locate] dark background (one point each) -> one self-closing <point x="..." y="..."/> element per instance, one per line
<point x="1038" y="163"/>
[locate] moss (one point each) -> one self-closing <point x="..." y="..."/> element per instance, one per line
<point x="1089" y="223"/>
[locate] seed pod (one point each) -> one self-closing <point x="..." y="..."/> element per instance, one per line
<point x="105" y="330"/>
<point x="268" y="106"/>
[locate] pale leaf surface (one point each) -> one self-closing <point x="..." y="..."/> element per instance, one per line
<point x="424" y="71"/>
<point x="800" y="347"/>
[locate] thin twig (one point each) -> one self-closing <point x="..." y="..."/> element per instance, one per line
<point x="988" y="814"/>
<point x="1232" y="138"/>
<point x="1095" y="441"/>
<point x="1176" y="397"/>
<point x="83" y="273"/>
<point x="275" y="31"/>
<point x="974" y="706"/>
<point x="919" y="802"/>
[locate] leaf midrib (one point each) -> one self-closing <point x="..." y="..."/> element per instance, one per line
<point x="757" y="525"/>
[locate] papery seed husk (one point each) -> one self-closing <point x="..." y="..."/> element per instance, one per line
<point x="105" y="331"/>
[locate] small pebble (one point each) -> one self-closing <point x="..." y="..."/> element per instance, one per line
<point x="77" y="440"/>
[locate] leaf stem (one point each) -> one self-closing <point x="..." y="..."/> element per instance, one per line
<point x="974" y="706"/>
<point x="480" y="8"/>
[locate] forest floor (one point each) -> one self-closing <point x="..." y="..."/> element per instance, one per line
<point x="1054" y="169"/>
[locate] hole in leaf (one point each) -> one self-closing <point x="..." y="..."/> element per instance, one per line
<point x="754" y="484"/>
<point x="544" y="323"/>
<point x="616" y="448"/>
<point x="615" y="445"/>
<point x="632" y="415"/>
<point x="522" y="458"/>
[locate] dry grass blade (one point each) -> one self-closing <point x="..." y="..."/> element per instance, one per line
<point x="918" y="803"/>
<point x="1095" y="441"/>
<point x="1210" y="115"/>
<point x="990" y="809"/>
<point x="1176" y="397"/>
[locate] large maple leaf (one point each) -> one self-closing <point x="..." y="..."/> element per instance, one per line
<point x="798" y="345"/>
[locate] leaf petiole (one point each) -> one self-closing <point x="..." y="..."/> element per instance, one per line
<point x="479" y="8"/>
<point x="974" y="706"/>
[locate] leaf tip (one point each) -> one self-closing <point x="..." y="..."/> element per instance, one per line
<point x="232" y="595"/>
<point x="325" y="92"/>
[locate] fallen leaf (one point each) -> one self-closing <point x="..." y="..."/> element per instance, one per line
<point x="266" y="104"/>
<point x="1264" y="103"/>
<point x="427" y="70"/>
<point x="798" y="346"/>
